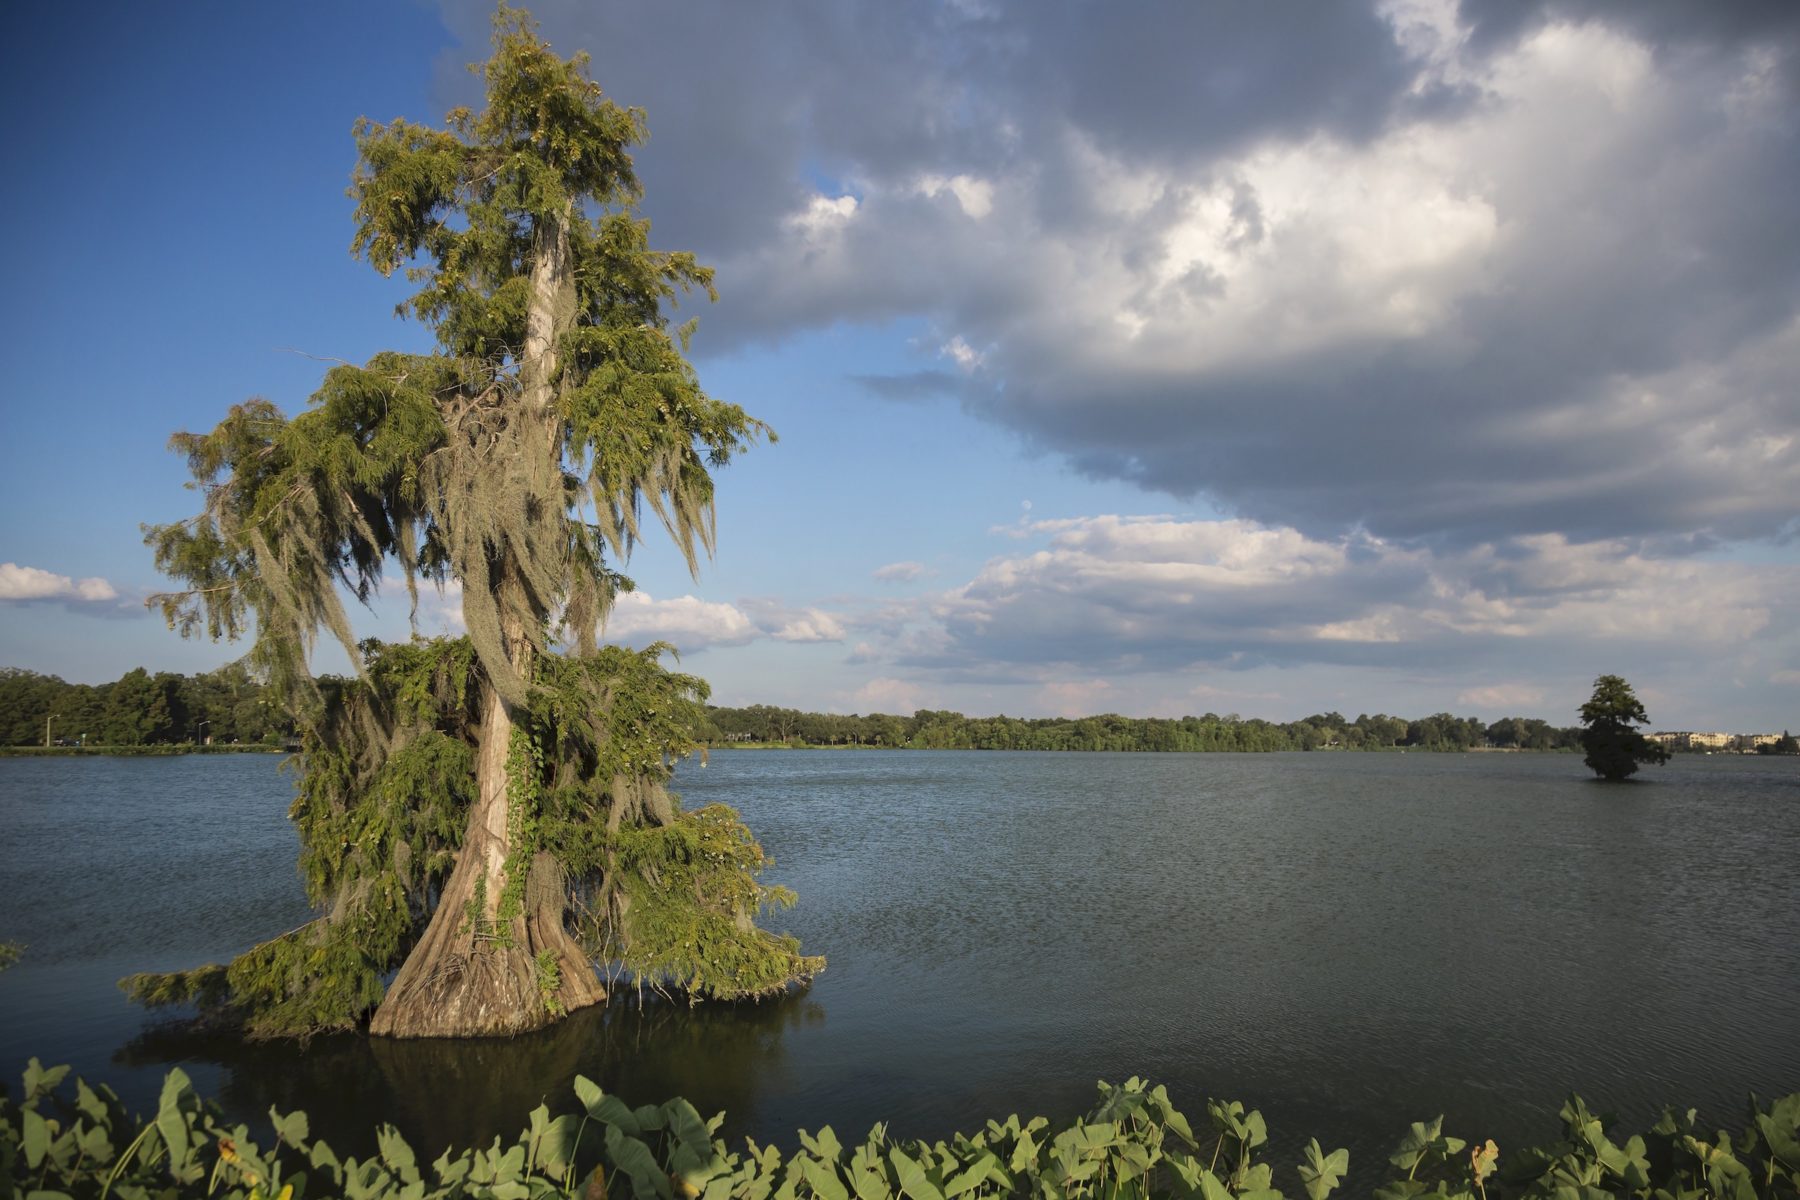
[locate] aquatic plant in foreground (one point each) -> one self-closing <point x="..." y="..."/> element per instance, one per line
<point x="1133" y="1144"/>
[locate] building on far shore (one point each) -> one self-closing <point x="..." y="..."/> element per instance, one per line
<point x="1690" y="740"/>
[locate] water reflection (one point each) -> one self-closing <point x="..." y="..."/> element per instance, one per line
<point x="442" y="1092"/>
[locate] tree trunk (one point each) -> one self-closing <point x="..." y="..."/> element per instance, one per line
<point x="476" y="972"/>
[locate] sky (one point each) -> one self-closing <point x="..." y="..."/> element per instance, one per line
<point x="1147" y="358"/>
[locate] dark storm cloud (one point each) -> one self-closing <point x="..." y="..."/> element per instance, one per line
<point x="1438" y="273"/>
<point x="1665" y="23"/>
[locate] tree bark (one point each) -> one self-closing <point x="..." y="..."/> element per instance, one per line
<point x="474" y="972"/>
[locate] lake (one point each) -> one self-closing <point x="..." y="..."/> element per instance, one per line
<point x="1348" y="942"/>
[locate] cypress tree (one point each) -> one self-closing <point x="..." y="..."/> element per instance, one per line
<point x="1609" y="731"/>
<point x="486" y="817"/>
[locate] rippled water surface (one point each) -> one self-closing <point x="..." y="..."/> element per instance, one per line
<point x="1349" y="942"/>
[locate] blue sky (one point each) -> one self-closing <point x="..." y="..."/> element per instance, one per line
<point x="1154" y="359"/>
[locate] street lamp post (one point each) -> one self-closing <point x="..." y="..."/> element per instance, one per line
<point x="197" y="729"/>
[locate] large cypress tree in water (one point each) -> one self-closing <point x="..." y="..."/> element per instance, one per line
<point x="489" y="814"/>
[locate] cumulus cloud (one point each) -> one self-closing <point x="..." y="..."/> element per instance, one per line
<point x="688" y="622"/>
<point x="785" y="624"/>
<point x="22" y="584"/>
<point x="692" y="624"/>
<point x="1462" y="273"/>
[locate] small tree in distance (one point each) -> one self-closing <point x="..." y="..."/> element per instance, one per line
<point x="1614" y="744"/>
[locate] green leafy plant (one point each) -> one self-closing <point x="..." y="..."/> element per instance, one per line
<point x="1132" y="1145"/>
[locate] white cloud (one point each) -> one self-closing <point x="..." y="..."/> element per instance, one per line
<point x="962" y="354"/>
<point x="807" y="625"/>
<point x="824" y="215"/>
<point x="900" y="572"/>
<point x="688" y="622"/>
<point x="20" y="583"/>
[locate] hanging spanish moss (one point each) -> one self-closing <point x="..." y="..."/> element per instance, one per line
<point x="485" y="819"/>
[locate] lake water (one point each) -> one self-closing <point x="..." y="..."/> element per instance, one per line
<point x="1348" y="942"/>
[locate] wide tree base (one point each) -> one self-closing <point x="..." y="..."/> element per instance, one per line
<point x="496" y="992"/>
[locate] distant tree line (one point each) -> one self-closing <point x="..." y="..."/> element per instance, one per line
<point x="139" y="709"/>
<point x="929" y="729"/>
<point x="229" y="705"/>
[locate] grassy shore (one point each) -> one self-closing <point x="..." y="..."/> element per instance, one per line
<point x="135" y="751"/>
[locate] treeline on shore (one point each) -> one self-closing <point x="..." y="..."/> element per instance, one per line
<point x="230" y="707"/>
<point x="934" y="730"/>
<point x="227" y="706"/>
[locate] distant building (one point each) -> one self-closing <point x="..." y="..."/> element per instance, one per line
<point x="1750" y="741"/>
<point x="1688" y="740"/>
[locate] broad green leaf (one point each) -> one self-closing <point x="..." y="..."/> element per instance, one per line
<point x="823" y="1180"/>
<point x="912" y="1177"/>
<point x="174" y="1130"/>
<point x="588" y="1092"/>
<point x="1322" y="1172"/>
<point x="292" y="1128"/>
<point x="972" y="1176"/>
<point x="1416" y="1143"/>
<point x="1211" y="1188"/>
<point x="1780" y="1128"/>
<point x="36" y="1131"/>
<point x="869" y="1184"/>
<point x="825" y="1144"/>
<point x="557" y="1149"/>
<point x="396" y="1153"/>
<point x="89" y="1103"/>
<point x="634" y="1158"/>
<point x="41" y="1080"/>
<point x="1400" y="1189"/>
<point x="694" y="1145"/>
<point x="95" y="1145"/>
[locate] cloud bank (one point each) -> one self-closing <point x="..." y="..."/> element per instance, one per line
<point x="1432" y="271"/>
<point x="1168" y="614"/>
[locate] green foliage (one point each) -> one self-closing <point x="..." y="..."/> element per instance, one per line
<point x="683" y="918"/>
<point x="385" y="780"/>
<point x="1609" y="732"/>
<point x="549" y="980"/>
<point x="10" y="953"/>
<point x="1133" y="1145"/>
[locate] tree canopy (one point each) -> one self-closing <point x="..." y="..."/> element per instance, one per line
<point x="1610" y="735"/>
<point x="489" y="814"/>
